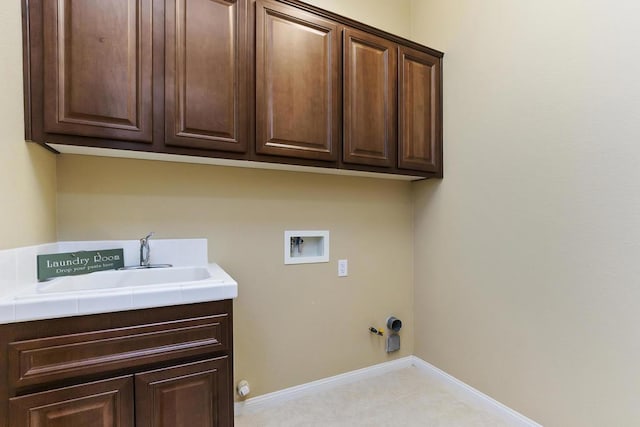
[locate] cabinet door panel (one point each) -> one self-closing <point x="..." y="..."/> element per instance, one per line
<point x="206" y="87"/>
<point x="106" y="403"/>
<point x="370" y="99"/>
<point x="420" y="146"/>
<point x="97" y="68"/>
<point x="297" y="83"/>
<point x="190" y="395"/>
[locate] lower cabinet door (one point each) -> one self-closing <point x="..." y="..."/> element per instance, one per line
<point x="191" y="395"/>
<point x="97" y="404"/>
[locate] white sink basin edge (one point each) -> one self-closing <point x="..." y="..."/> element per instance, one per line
<point x="192" y="280"/>
<point x="140" y="287"/>
<point x="116" y="279"/>
<point x="99" y="293"/>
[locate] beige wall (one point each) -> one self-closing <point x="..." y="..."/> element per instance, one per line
<point x="27" y="171"/>
<point x="295" y="323"/>
<point x="527" y="253"/>
<point x="389" y="15"/>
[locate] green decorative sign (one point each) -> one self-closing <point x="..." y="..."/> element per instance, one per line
<point x="75" y="263"/>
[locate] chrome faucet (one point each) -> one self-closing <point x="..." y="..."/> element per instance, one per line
<point x="145" y="255"/>
<point x="145" y="250"/>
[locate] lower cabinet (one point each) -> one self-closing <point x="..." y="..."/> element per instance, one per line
<point x="159" y="367"/>
<point x="100" y="404"/>
<point x="189" y="395"/>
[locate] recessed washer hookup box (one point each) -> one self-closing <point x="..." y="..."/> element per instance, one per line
<point x="80" y="262"/>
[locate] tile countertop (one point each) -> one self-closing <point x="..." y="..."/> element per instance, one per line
<point x="21" y="301"/>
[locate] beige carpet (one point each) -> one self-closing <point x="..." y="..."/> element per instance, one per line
<point x="403" y="398"/>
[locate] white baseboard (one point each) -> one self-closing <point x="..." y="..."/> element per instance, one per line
<point x="271" y="399"/>
<point x="490" y="405"/>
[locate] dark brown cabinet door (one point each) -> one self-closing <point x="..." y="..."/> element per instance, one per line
<point x="205" y="74"/>
<point x="297" y="83"/>
<point x="370" y="99"/>
<point x="191" y="395"/>
<point x="262" y="80"/>
<point x="97" y="68"/>
<point x="420" y="109"/>
<point x="106" y="403"/>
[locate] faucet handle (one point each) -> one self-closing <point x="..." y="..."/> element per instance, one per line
<point x="145" y="250"/>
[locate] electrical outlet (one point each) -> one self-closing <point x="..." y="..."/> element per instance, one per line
<point x="343" y="267"/>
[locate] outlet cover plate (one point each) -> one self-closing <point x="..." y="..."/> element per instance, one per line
<point x="343" y="268"/>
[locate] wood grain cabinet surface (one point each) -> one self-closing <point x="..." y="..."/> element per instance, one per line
<point x="277" y="81"/>
<point x="370" y="98"/>
<point x="188" y="395"/>
<point x="166" y="76"/>
<point x="297" y="83"/>
<point x="420" y="111"/>
<point x="98" y="72"/>
<point x="97" y="404"/>
<point x="158" y="367"/>
<point x="205" y="75"/>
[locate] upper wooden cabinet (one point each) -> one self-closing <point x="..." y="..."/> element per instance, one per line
<point x="297" y="83"/>
<point x="205" y="74"/>
<point x="370" y="99"/>
<point x="277" y="81"/>
<point x="390" y="104"/>
<point x="420" y="110"/>
<point x="138" y="74"/>
<point x="97" y="68"/>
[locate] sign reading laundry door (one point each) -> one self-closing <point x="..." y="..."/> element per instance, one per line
<point x="81" y="262"/>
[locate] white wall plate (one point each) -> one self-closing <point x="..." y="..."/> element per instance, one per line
<point x="306" y="246"/>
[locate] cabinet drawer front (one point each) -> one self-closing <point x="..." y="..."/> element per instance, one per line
<point x="39" y="361"/>
<point x="99" y="404"/>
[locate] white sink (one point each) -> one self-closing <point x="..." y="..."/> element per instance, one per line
<point x="114" y="279"/>
<point x="119" y="290"/>
<point x="192" y="280"/>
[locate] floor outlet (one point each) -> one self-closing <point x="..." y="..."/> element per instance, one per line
<point x="343" y="267"/>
